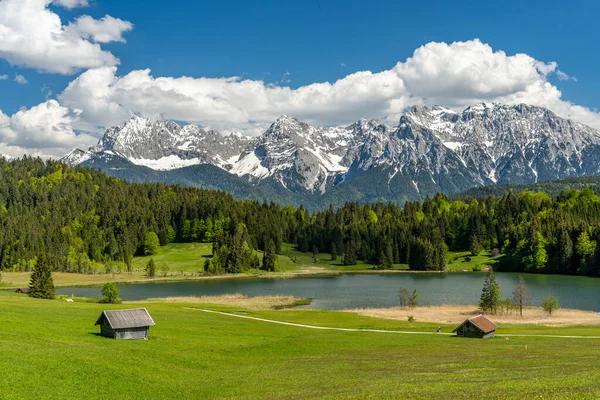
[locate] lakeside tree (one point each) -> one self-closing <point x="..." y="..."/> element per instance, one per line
<point x="315" y="254"/>
<point x="475" y="246"/>
<point x="585" y="248"/>
<point x="403" y="297"/>
<point x="151" y="269"/>
<point x="490" y="294"/>
<point x="41" y="285"/>
<point x="414" y="299"/>
<point x="550" y="304"/>
<point x="406" y="299"/>
<point x="521" y="295"/>
<point x="110" y="293"/>
<point x="270" y="258"/>
<point x="151" y="244"/>
<point x="334" y="254"/>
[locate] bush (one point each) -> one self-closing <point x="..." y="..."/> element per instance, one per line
<point x="110" y="293"/>
<point x="550" y="304"/>
<point x="151" y="244"/>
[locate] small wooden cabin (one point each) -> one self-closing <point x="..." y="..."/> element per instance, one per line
<point x="24" y="290"/>
<point x="125" y="324"/>
<point x="476" y="327"/>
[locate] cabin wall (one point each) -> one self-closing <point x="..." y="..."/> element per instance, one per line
<point x="106" y="330"/>
<point x="470" y="330"/>
<point x="132" y="333"/>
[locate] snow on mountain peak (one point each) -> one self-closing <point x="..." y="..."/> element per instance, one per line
<point x="434" y="146"/>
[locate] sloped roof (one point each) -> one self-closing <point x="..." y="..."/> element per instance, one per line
<point x="481" y="322"/>
<point x="22" y="290"/>
<point x="123" y="319"/>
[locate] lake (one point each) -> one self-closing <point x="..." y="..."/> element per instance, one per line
<point x="372" y="290"/>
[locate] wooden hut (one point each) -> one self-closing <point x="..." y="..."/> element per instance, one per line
<point x="24" y="290"/>
<point x="125" y="324"/>
<point x="476" y="327"/>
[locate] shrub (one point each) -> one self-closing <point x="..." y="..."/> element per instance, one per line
<point x="110" y="293"/>
<point x="550" y="304"/>
<point x="151" y="244"/>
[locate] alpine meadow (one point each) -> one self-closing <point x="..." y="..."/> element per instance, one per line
<point x="315" y="199"/>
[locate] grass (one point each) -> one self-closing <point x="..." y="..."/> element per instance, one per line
<point x="51" y="350"/>
<point x="324" y="261"/>
<point x="457" y="261"/>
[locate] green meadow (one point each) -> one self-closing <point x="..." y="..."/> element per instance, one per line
<point x="51" y="350"/>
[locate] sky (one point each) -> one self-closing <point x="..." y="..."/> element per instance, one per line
<point x="71" y="68"/>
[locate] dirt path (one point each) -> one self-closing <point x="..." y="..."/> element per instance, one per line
<point x="327" y="328"/>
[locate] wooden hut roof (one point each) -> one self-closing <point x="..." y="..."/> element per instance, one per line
<point x="482" y="323"/>
<point x="22" y="290"/>
<point x="123" y="319"/>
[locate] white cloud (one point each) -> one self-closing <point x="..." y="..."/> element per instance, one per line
<point x="45" y="129"/>
<point x="20" y="79"/>
<point x="564" y="77"/>
<point x="3" y="77"/>
<point x="71" y="3"/>
<point x="105" y="30"/>
<point x="456" y="75"/>
<point x="32" y="35"/>
<point x="227" y="103"/>
<point x="343" y="65"/>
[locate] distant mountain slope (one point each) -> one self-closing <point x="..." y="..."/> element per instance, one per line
<point x="552" y="188"/>
<point x="432" y="149"/>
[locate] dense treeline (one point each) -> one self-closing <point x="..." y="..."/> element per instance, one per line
<point x="85" y="221"/>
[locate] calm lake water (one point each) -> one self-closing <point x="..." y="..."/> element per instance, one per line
<point x="358" y="291"/>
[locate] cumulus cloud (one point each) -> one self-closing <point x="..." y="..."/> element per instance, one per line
<point x="105" y="30"/>
<point x="71" y="3"/>
<point x="46" y="129"/>
<point x="455" y="75"/>
<point x="228" y="103"/>
<point x="32" y="35"/>
<point x="3" y="77"/>
<point x="20" y="79"/>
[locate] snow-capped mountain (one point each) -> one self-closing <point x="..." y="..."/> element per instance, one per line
<point x="432" y="149"/>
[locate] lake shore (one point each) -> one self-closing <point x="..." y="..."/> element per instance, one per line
<point x="14" y="280"/>
<point x="455" y="314"/>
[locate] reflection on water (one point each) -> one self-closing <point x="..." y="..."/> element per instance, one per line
<point x="360" y="291"/>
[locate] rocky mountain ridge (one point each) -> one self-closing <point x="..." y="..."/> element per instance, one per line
<point x="432" y="149"/>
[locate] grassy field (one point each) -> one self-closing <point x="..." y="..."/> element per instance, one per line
<point x="178" y="261"/>
<point x="457" y="261"/>
<point x="51" y="350"/>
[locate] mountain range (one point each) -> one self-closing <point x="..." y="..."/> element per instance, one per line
<point x="432" y="149"/>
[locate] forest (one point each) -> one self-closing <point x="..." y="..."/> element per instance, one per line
<point x="81" y="220"/>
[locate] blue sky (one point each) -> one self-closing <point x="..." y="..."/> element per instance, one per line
<point x="298" y="43"/>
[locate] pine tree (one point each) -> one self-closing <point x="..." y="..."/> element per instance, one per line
<point x="42" y="284"/>
<point x="521" y="295"/>
<point x="151" y="269"/>
<point x="490" y="295"/>
<point x="565" y="252"/>
<point x="475" y="246"/>
<point x="387" y="256"/>
<point x="270" y="258"/>
<point x="334" y="254"/>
